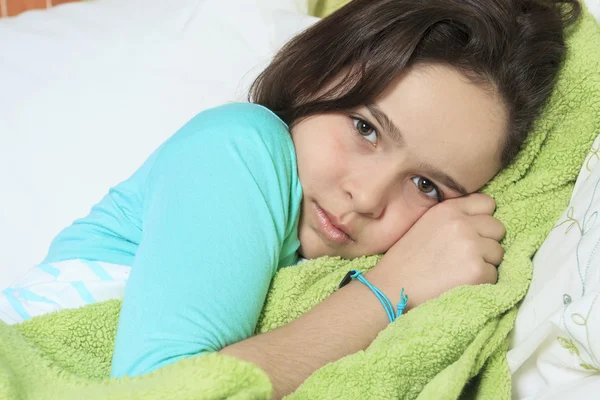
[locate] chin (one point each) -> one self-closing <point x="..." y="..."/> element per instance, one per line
<point x="308" y="252"/>
<point x="301" y="253"/>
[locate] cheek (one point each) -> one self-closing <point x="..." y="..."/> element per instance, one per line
<point x="321" y="159"/>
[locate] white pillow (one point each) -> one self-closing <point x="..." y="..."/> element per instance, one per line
<point x="594" y="7"/>
<point x="556" y="341"/>
<point x="89" y="90"/>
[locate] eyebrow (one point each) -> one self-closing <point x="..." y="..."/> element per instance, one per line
<point x="396" y="135"/>
<point x="386" y="123"/>
<point x="444" y="178"/>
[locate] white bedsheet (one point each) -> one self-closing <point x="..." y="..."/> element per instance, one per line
<point x="90" y="89"/>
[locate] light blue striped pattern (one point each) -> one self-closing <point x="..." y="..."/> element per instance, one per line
<point x="16" y="304"/>
<point x="28" y="295"/>
<point x="49" y="269"/>
<point x="98" y="270"/>
<point x="83" y="291"/>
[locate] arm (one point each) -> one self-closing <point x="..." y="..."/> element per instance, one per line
<point x="346" y="322"/>
<point x="216" y="210"/>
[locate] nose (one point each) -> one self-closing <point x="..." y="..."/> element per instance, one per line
<point x="370" y="193"/>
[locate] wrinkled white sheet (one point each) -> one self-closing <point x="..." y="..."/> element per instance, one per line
<point x="89" y="90"/>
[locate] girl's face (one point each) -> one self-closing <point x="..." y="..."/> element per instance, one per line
<point x="368" y="175"/>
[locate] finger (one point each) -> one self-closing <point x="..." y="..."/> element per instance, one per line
<point x="490" y="274"/>
<point x="491" y="251"/>
<point x="488" y="227"/>
<point x="475" y="204"/>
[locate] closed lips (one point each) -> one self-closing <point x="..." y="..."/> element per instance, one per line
<point x="329" y="228"/>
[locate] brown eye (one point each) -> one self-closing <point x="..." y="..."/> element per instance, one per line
<point x="428" y="188"/>
<point x="366" y="130"/>
<point x="425" y="186"/>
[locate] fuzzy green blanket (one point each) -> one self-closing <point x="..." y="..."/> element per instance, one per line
<point x="67" y="355"/>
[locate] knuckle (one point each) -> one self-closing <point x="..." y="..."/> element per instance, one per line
<point x="496" y="229"/>
<point x="471" y="250"/>
<point x="483" y="273"/>
<point x="501" y="251"/>
<point x="457" y="228"/>
<point x="501" y="228"/>
<point x="475" y="273"/>
<point x="488" y="202"/>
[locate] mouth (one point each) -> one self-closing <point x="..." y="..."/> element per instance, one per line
<point x="333" y="232"/>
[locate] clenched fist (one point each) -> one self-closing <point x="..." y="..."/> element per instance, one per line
<point x="454" y="243"/>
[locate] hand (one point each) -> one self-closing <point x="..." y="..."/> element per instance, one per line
<point x="454" y="243"/>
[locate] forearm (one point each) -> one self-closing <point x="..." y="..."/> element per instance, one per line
<point x="343" y="324"/>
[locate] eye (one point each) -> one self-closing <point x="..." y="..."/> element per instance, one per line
<point x="428" y="188"/>
<point x="364" y="129"/>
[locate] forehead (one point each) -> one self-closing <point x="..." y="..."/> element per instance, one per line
<point x="448" y="121"/>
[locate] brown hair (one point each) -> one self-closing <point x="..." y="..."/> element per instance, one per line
<point x="516" y="46"/>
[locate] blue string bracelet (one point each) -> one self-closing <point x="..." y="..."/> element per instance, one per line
<point x="385" y="302"/>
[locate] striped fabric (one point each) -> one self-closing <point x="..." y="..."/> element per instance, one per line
<point x="10" y="8"/>
<point x="67" y="284"/>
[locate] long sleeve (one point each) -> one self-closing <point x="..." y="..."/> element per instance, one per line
<point x="218" y="212"/>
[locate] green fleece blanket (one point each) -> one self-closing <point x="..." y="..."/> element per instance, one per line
<point x="451" y="346"/>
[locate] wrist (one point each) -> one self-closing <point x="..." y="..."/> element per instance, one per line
<point x="392" y="284"/>
<point x="392" y="311"/>
<point x="366" y="306"/>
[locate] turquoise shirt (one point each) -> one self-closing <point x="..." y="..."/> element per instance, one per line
<point x="204" y="223"/>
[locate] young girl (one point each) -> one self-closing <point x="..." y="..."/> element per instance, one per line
<point x="368" y="133"/>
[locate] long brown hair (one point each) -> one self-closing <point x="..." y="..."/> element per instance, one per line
<point x="514" y="46"/>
